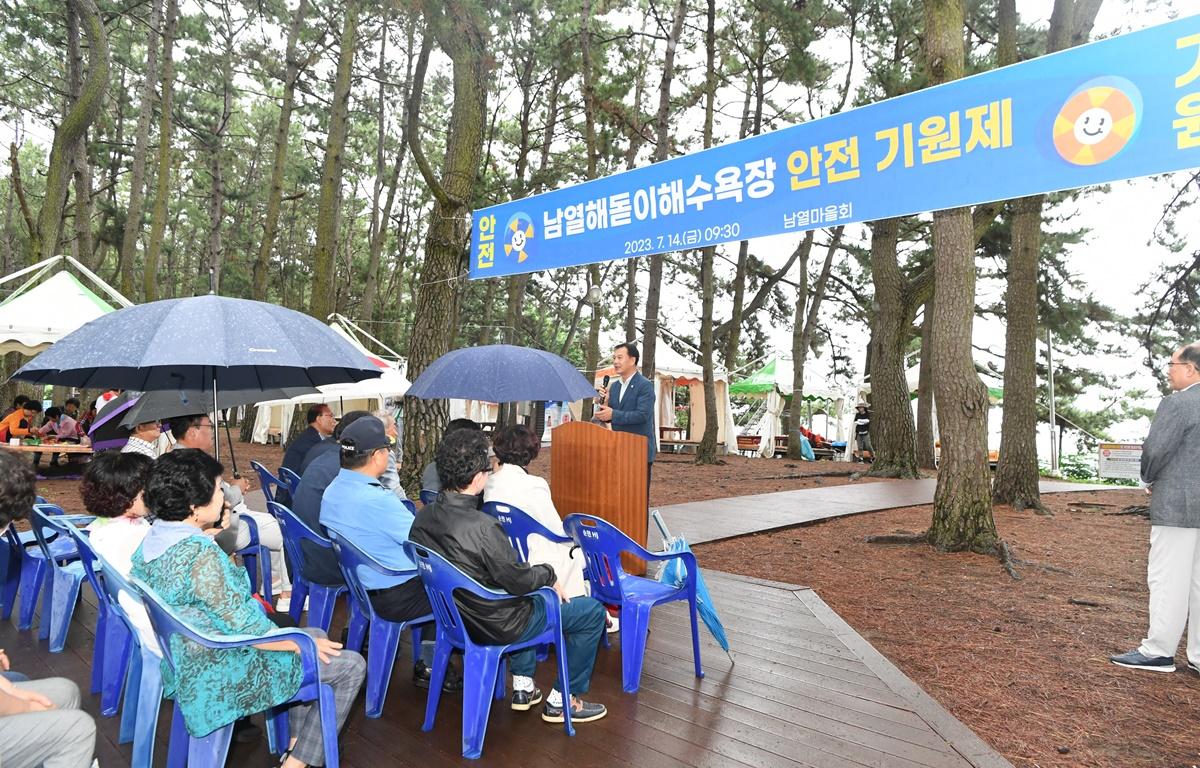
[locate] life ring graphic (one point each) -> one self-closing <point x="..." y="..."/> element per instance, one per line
<point x="1098" y="121"/>
<point x="519" y="232"/>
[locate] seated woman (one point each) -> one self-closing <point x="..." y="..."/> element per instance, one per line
<point x="111" y="488"/>
<point x="515" y="447"/>
<point x="189" y="571"/>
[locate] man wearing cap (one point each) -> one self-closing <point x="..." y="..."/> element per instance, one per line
<point x="359" y="509"/>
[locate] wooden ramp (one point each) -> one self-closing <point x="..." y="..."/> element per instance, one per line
<point x="806" y="690"/>
<point x="715" y="519"/>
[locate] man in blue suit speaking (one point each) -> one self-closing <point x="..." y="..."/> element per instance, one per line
<point x="629" y="403"/>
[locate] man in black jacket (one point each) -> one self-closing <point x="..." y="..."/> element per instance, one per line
<point x="454" y="527"/>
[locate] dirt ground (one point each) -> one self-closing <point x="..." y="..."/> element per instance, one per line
<point x="1016" y="661"/>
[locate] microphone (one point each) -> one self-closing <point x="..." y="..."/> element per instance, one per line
<point x="604" y="383"/>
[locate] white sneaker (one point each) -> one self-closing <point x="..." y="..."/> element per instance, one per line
<point x="614" y="624"/>
<point x="284" y="604"/>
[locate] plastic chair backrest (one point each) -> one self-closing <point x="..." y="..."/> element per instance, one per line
<point x="294" y="531"/>
<point x="518" y="526"/>
<point x="602" y="544"/>
<point x="442" y="579"/>
<point x="428" y="496"/>
<point x="46" y="531"/>
<point x="290" y="479"/>
<point x="350" y="559"/>
<point x="92" y="565"/>
<point x="268" y="481"/>
<point x="412" y="507"/>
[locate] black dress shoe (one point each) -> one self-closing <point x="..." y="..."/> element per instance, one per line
<point x="422" y="675"/>
<point x="245" y="731"/>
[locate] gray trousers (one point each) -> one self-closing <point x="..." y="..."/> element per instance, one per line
<point x="344" y="674"/>
<point x="63" y="737"/>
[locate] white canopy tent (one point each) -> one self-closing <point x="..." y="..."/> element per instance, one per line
<point x="274" y="417"/>
<point x="672" y="369"/>
<point x="35" y="316"/>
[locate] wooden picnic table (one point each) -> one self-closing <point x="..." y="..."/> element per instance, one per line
<point x="52" y="448"/>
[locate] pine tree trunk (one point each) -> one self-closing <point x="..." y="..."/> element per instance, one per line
<point x="962" y="509"/>
<point x="462" y="31"/>
<point x="1017" y="471"/>
<point x="141" y="148"/>
<point x="631" y="299"/>
<point x="43" y="242"/>
<point x="81" y="245"/>
<point x="892" y="433"/>
<point x="661" y="152"/>
<point x="591" y="359"/>
<point x="321" y="302"/>
<point x="926" y="453"/>
<point x="158" y="214"/>
<point x="706" y="452"/>
<point x="262" y="263"/>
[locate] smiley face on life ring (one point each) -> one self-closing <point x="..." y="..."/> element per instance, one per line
<point x="1097" y="121"/>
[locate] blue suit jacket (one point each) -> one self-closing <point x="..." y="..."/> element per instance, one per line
<point x="635" y="412"/>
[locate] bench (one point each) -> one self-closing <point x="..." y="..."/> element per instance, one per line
<point x="748" y="443"/>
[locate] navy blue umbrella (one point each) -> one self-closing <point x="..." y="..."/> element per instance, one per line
<point x="501" y="373"/>
<point x="200" y="343"/>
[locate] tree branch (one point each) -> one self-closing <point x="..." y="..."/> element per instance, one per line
<point x="412" y="115"/>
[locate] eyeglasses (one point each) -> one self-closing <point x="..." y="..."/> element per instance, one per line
<point x="1181" y="362"/>
<point x="205" y="425"/>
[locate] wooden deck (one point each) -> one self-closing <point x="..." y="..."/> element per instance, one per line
<point x="806" y="690"/>
<point x="715" y="519"/>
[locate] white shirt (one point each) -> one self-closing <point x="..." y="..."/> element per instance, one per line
<point x="116" y="539"/>
<point x="625" y="387"/>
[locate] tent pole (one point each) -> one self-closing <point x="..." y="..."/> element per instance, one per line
<point x="89" y="274"/>
<point x="215" y="416"/>
<point x="31" y="268"/>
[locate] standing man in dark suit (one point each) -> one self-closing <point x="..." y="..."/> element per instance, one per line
<point x="1170" y="458"/>
<point x="629" y="404"/>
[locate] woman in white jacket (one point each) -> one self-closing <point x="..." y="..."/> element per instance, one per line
<point x="515" y="447"/>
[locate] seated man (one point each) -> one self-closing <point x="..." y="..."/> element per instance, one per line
<point x="40" y="720"/>
<point x="362" y="511"/>
<point x="320" y="426"/>
<point x="144" y="439"/>
<point x="196" y="431"/>
<point x="19" y="423"/>
<point x="454" y="527"/>
<point x="320" y="564"/>
<point x="429" y="476"/>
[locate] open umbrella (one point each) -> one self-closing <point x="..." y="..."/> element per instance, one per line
<point x="501" y="373"/>
<point x="164" y="404"/>
<point x="675" y="573"/>
<point x="204" y="343"/>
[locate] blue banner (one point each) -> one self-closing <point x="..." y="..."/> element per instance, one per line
<point x="1115" y="109"/>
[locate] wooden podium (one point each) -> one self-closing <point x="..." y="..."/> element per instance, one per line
<point x="599" y="472"/>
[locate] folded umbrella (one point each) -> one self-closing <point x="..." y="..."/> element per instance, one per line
<point x="674" y="572"/>
<point x="501" y="373"/>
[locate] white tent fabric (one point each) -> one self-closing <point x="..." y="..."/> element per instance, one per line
<point x="363" y="395"/>
<point x="770" y="424"/>
<point x="31" y="321"/>
<point x="672" y="369"/>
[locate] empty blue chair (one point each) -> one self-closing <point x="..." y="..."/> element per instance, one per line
<point x="483" y="673"/>
<point x="290" y="479"/>
<point x="602" y="544"/>
<point x="26" y="569"/>
<point x="66" y="574"/>
<point x="211" y="749"/>
<point x="321" y="597"/>
<point x="270" y="483"/>
<point x="384" y="634"/>
<point x="255" y="555"/>
<point x="110" y="651"/>
<point x="428" y="496"/>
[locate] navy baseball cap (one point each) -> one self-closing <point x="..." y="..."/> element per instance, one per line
<point x="364" y="436"/>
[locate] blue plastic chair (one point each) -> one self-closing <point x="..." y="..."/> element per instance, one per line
<point x="110" y="651"/>
<point x="290" y="479"/>
<point x="256" y="555"/>
<point x="66" y="574"/>
<point x="26" y="570"/>
<point x="518" y="526"/>
<point x="321" y="597"/>
<point x="212" y="748"/>
<point x="428" y="496"/>
<point x="384" y="634"/>
<point x="143" y="681"/>
<point x="602" y="544"/>
<point x="268" y="481"/>
<point x="483" y="667"/>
